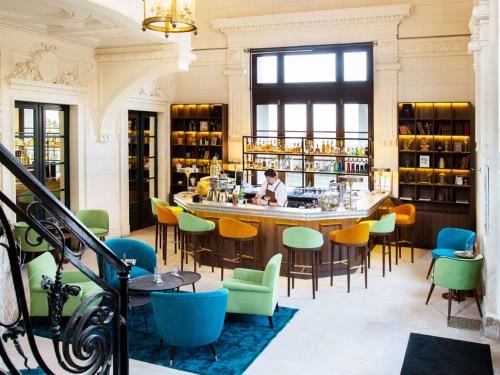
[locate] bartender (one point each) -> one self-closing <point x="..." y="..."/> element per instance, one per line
<point x="272" y="192"/>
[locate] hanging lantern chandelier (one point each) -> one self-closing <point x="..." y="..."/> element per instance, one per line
<point x="169" y="16"/>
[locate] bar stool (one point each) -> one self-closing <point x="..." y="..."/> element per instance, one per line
<point x="193" y="227"/>
<point x="306" y="240"/>
<point x="382" y="228"/>
<point x="168" y="219"/>
<point x="238" y="232"/>
<point x="155" y="202"/>
<point x="405" y="218"/>
<point x="353" y="237"/>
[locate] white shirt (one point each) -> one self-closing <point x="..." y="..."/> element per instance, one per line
<point x="279" y="189"/>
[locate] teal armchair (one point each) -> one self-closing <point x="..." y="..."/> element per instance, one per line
<point x="254" y="292"/>
<point x="457" y="274"/>
<point x="46" y="265"/>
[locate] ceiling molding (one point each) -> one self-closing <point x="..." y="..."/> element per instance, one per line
<point x="288" y="21"/>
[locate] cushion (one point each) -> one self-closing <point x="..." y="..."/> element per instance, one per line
<point x="443" y="252"/>
<point x="403" y="219"/>
<point x="100" y="232"/>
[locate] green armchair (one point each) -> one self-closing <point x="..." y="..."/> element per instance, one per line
<point x="457" y="274"/>
<point x="254" y="292"/>
<point x="46" y="265"/>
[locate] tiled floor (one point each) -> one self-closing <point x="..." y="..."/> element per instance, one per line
<point x="364" y="332"/>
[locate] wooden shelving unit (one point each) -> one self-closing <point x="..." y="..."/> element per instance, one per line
<point x="198" y="133"/>
<point x="435" y="159"/>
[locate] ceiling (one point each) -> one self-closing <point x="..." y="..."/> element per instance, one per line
<point x="92" y="23"/>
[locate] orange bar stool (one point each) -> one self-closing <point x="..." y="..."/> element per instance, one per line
<point x="238" y="232"/>
<point x="352" y="238"/>
<point x="168" y="219"/>
<point x="405" y="218"/>
<point x="193" y="228"/>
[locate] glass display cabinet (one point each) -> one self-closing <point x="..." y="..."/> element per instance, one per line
<point x="306" y="161"/>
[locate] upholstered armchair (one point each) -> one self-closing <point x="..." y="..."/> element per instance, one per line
<point x="254" y="292"/>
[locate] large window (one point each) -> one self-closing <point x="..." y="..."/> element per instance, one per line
<point x="315" y="91"/>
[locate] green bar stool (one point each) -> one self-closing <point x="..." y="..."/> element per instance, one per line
<point x="353" y="238"/>
<point x="383" y="228"/>
<point x="97" y="221"/>
<point x="155" y="202"/>
<point x="192" y="228"/>
<point x="305" y="240"/>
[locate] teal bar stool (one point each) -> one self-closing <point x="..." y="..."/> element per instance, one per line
<point x="192" y="229"/>
<point x="155" y="202"/>
<point x="304" y="240"/>
<point x="97" y="221"/>
<point x="383" y="228"/>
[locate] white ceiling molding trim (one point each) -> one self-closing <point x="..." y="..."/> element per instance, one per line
<point x="286" y="21"/>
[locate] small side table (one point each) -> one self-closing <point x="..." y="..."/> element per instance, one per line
<point x="188" y="278"/>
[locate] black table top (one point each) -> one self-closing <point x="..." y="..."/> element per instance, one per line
<point x="188" y="277"/>
<point x="147" y="284"/>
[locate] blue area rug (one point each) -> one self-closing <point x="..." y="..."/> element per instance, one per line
<point x="243" y="338"/>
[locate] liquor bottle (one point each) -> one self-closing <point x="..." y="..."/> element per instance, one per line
<point x="335" y="167"/>
<point x="327" y="148"/>
<point x="323" y="148"/>
<point x="366" y="167"/>
<point x="366" y="150"/>
<point x="264" y="164"/>
<point x="357" y="167"/>
<point x="317" y="150"/>
<point x="348" y="169"/>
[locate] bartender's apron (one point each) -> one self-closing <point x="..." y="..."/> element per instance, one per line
<point x="272" y="194"/>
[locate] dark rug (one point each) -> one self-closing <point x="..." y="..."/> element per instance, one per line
<point x="438" y="355"/>
<point x="243" y="338"/>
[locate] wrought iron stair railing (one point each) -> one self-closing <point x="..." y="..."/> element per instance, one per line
<point x="94" y="339"/>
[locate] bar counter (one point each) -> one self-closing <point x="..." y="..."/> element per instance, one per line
<point x="272" y="221"/>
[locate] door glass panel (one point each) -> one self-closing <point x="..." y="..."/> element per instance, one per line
<point x="310" y="68"/>
<point x="149" y="167"/>
<point x="54" y="122"/>
<point x="267" y="69"/>
<point x="132" y="168"/>
<point x="148" y="186"/>
<point x="132" y="191"/>
<point x="325" y="120"/>
<point x="356" y="124"/>
<point x="355" y="66"/>
<point x="267" y="120"/>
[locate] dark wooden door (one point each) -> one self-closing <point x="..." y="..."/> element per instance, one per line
<point x="142" y="158"/>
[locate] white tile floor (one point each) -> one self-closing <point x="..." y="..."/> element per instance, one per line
<point x="364" y="332"/>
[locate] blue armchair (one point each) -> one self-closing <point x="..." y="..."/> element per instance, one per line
<point x="450" y="240"/>
<point x="133" y="249"/>
<point x="190" y="319"/>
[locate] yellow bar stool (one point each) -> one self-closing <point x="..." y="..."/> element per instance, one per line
<point x="155" y="202"/>
<point x="352" y="238"/>
<point x="193" y="228"/>
<point x="168" y="219"/>
<point x="238" y="232"/>
<point x="405" y="218"/>
<point x="383" y="228"/>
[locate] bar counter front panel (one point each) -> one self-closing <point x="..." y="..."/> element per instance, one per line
<point x="272" y="221"/>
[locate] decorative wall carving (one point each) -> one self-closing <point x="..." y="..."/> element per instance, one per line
<point x="293" y="21"/>
<point x="44" y="64"/>
<point x="434" y="46"/>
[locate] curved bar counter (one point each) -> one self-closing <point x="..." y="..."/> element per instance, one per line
<point x="272" y="221"/>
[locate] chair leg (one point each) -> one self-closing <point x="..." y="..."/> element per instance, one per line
<point x="383" y="256"/>
<point x="412" y="251"/>
<point x="194" y="288"/>
<point x="214" y="352"/>
<point x="430" y="268"/>
<point x="348" y="271"/>
<point x="165" y="242"/>
<point x="172" y="354"/>
<point x="332" y="246"/>
<point x="477" y="302"/>
<point x="156" y="237"/>
<point x="365" y="251"/>
<point x="176" y="238"/>
<point x="430" y="293"/>
<point x="313" y="272"/>
<point x="277" y="309"/>
<point x="195" y="250"/>
<point x="450" y="297"/>
<point x="390" y="253"/>
<point x="183" y="250"/>
<point x="397" y="245"/>
<point x="212" y="251"/>
<point x="369" y="256"/>
<point x="221" y="257"/>
<point x="271" y="324"/>
<point x="254" y="254"/>
<point x="289" y="270"/>
<point x="293" y="267"/>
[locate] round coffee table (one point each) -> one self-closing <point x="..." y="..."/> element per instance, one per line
<point x="188" y="277"/>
